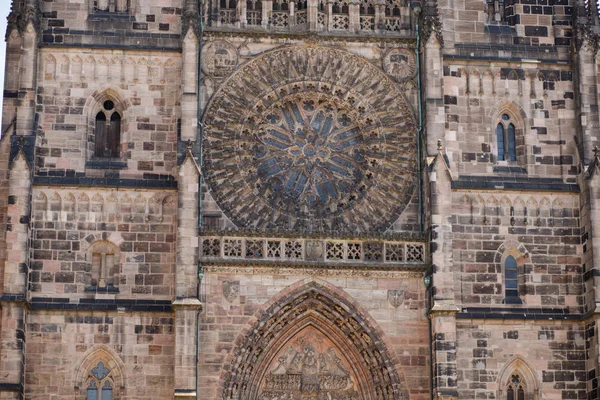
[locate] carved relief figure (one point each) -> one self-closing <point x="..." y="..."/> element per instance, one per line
<point x="310" y="367"/>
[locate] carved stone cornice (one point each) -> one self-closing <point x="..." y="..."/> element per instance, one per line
<point x="303" y="270"/>
<point x="324" y="38"/>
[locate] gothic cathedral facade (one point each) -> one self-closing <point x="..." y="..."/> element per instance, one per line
<point x="300" y="200"/>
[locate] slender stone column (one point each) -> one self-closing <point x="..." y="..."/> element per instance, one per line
<point x="27" y="81"/>
<point x="444" y="309"/>
<point x="312" y="15"/>
<point x="189" y="97"/>
<point x="267" y="9"/>
<point x="354" y="16"/>
<point x="380" y="15"/>
<point x="329" y="15"/>
<point x="187" y="303"/>
<point x="14" y="289"/>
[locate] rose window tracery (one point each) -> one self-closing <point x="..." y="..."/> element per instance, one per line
<point x="310" y="150"/>
<point x="310" y="138"/>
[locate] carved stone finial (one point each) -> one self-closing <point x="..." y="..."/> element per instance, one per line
<point x="439" y="145"/>
<point x="21" y="141"/>
<point x="189" y="145"/>
<point x="596" y="150"/>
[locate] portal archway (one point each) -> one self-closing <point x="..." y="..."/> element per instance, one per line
<point x="313" y="345"/>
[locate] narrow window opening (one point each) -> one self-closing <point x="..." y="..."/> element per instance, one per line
<point x="506" y="138"/>
<point x="500" y="138"/>
<point x="511" y="281"/>
<point x="100" y="134"/>
<point x="510" y="394"/>
<point x="511" y="143"/>
<point x="114" y="136"/>
<point x="107" y="131"/>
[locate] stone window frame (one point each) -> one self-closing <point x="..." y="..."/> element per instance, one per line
<point x="84" y="372"/>
<point x="96" y="105"/>
<point x="109" y="120"/>
<point x="100" y="384"/>
<point x="103" y="275"/>
<point x="518" y="257"/>
<point x="517" y="118"/>
<point x="517" y="366"/>
<point x="507" y="131"/>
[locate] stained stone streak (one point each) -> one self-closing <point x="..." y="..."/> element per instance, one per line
<point x="310" y="138"/>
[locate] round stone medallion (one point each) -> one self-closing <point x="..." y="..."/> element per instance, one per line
<point x="219" y="58"/>
<point x="310" y="138"/>
<point x="400" y="64"/>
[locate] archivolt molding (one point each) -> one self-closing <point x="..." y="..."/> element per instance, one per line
<point x="512" y="248"/>
<point x="317" y="307"/>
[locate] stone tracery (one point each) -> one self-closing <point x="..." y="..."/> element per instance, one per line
<point x="310" y="138"/>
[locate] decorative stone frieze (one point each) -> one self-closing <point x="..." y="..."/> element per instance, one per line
<point x="300" y="250"/>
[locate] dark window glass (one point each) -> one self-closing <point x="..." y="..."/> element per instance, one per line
<point x="512" y="146"/>
<point x="114" y="136"/>
<point x="521" y="394"/>
<point x="510" y="394"/>
<point x="511" y="277"/>
<point x="100" y="144"/>
<point x="500" y="138"/>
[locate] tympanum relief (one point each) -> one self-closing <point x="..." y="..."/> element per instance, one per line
<point x="309" y="367"/>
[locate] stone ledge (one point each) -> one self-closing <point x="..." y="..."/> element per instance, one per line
<point x="184" y="394"/>
<point x="514" y="183"/>
<point x="44" y="303"/>
<point x="106" y="182"/>
<point x="188" y="302"/>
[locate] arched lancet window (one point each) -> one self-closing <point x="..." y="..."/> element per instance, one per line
<point x="506" y="139"/>
<point x="107" y="131"/>
<point x="516" y="389"/>
<point x="100" y="386"/>
<point x="511" y="281"/>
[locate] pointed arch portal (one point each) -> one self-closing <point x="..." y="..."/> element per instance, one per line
<point x="312" y="345"/>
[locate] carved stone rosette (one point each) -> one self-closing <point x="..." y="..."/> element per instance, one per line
<point x="311" y="345"/>
<point x="310" y="138"/>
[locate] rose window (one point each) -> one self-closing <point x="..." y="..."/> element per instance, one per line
<point x="310" y="139"/>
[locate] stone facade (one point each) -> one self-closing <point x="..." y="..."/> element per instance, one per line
<point x="325" y="200"/>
